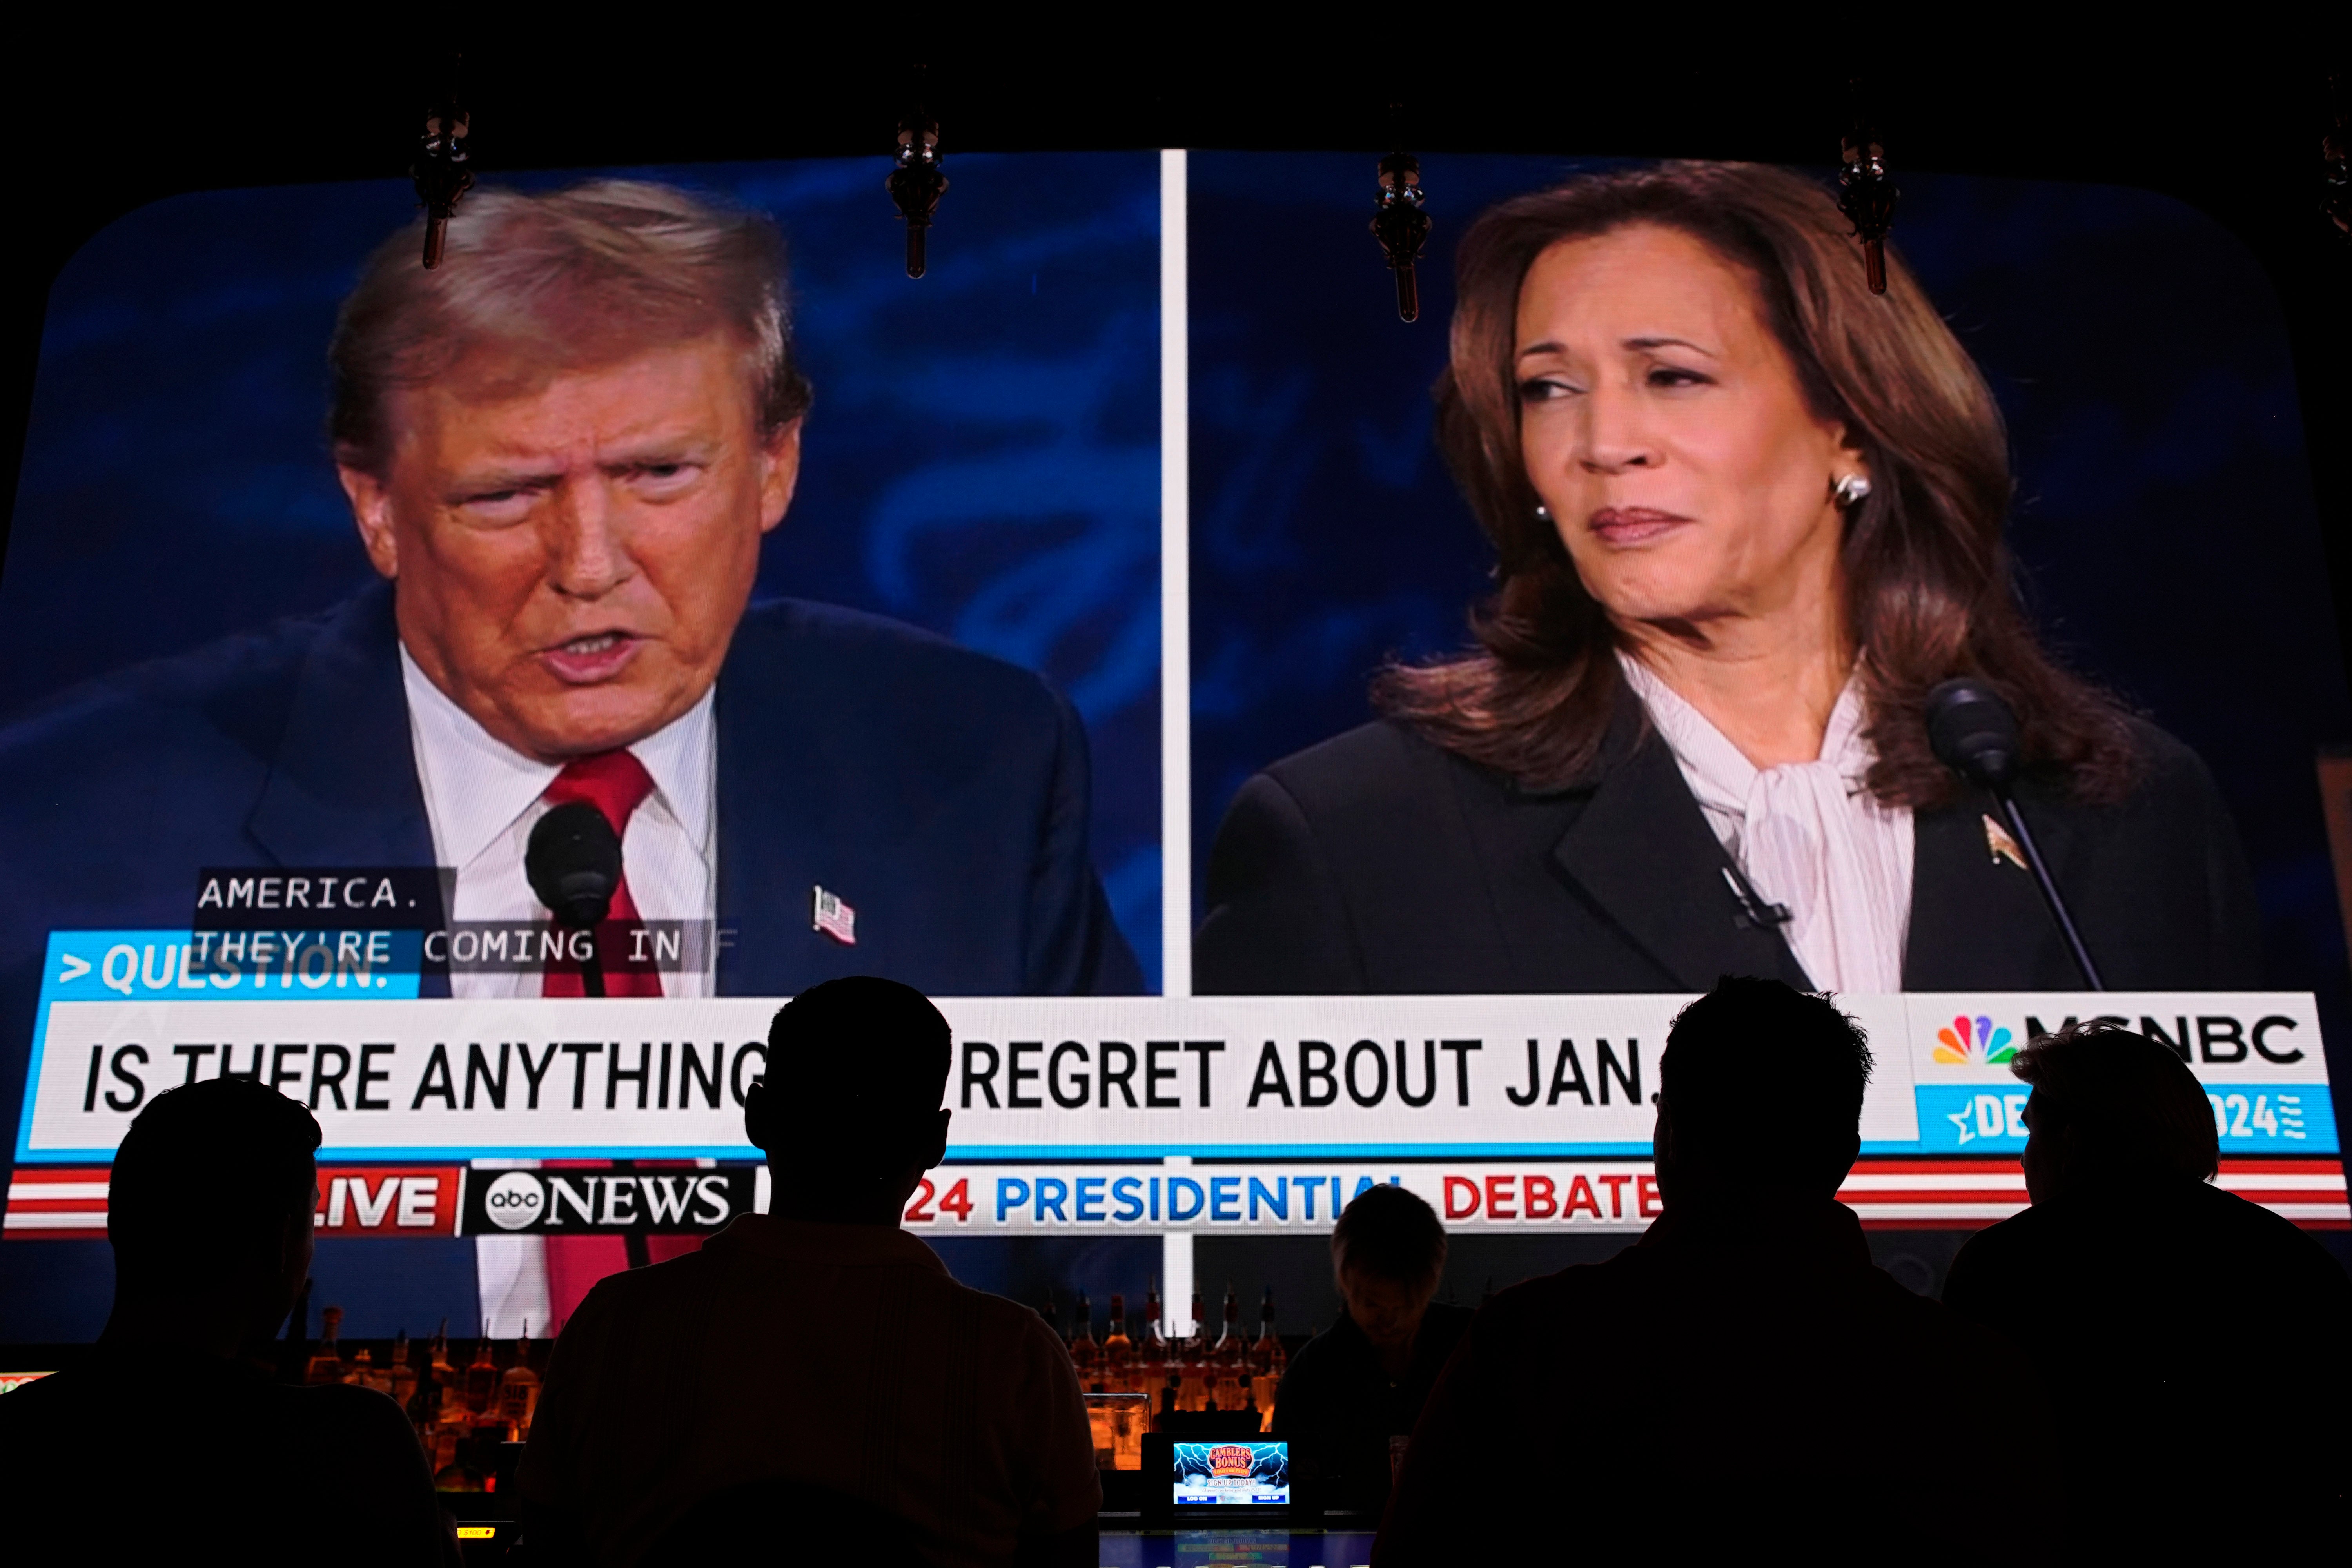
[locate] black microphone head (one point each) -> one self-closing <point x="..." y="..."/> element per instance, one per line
<point x="573" y="863"/>
<point x="1973" y="732"/>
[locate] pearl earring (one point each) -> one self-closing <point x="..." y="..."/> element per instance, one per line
<point x="1543" y="512"/>
<point x="1850" y="490"/>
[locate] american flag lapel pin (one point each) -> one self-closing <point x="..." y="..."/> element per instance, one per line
<point x="2001" y="845"/>
<point x="836" y="919"/>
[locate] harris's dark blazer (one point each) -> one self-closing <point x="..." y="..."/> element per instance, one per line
<point x="1378" y="862"/>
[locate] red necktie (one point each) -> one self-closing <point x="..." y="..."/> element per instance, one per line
<point x="615" y="783"/>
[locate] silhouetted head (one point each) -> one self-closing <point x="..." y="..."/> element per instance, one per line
<point x="213" y="1192"/>
<point x="1388" y="1252"/>
<point x="1760" y="1090"/>
<point x="848" y="1110"/>
<point x="2111" y="1108"/>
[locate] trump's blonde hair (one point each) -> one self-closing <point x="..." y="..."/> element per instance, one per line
<point x="534" y="284"/>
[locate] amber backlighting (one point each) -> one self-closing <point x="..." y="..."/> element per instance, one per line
<point x="477" y="1532"/>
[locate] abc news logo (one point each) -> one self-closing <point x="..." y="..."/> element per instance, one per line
<point x="591" y="1203"/>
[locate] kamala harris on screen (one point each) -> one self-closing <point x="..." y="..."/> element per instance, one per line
<point x="1746" y="515"/>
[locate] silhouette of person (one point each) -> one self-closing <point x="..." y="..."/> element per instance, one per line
<point x="817" y="1350"/>
<point x="168" y="1443"/>
<point x="1743" y="1377"/>
<point x="2196" y="1348"/>
<point x="1355" y="1391"/>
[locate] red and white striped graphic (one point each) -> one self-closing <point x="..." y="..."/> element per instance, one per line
<point x="1964" y="1194"/>
<point x="69" y="1203"/>
<point x="57" y="1203"/>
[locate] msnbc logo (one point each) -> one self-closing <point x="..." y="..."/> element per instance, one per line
<point x="1976" y="1042"/>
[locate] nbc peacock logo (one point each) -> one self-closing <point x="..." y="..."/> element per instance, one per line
<point x="1976" y="1042"/>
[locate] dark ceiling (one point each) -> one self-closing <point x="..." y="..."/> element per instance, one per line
<point x="109" y="116"/>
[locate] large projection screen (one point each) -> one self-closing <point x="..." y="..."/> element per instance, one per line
<point x="1107" y="523"/>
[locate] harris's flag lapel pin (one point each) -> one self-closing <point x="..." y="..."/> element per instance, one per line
<point x="2002" y="847"/>
<point x="836" y="919"/>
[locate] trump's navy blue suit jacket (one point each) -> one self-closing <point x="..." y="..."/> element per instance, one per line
<point x="942" y="793"/>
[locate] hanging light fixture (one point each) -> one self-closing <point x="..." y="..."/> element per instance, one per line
<point x="443" y="170"/>
<point x="1401" y="226"/>
<point x="1867" y="193"/>
<point x="920" y="180"/>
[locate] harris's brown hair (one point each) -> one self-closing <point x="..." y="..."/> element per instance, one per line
<point x="1930" y="582"/>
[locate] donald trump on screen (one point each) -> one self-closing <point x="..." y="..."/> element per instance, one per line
<point x="563" y="447"/>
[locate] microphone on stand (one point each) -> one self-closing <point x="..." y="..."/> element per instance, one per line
<point x="1973" y="732"/>
<point x="573" y="865"/>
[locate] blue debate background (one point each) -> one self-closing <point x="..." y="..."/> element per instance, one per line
<point x="2164" y="517"/>
<point x="982" y="460"/>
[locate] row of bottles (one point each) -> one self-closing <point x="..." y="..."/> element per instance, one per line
<point x="457" y="1410"/>
<point x="1195" y="1372"/>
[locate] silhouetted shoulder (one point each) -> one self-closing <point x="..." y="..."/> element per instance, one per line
<point x="229" y="1463"/>
<point x="639" y="1297"/>
<point x="1007" y="1329"/>
<point x="1979" y="1280"/>
<point x="1575" y="1287"/>
<point x="361" y="1415"/>
<point x="2267" y="1239"/>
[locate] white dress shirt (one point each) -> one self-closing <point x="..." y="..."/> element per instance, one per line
<point x="482" y="797"/>
<point x="1809" y="835"/>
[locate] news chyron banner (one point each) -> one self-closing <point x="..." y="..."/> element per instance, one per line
<point x="398" y="1078"/>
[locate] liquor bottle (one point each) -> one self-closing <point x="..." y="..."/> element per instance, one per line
<point x="1118" y="1352"/>
<point x="423" y="1405"/>
<point x="1085" y="1354"/>
<point x="438" y="1371"/>
<point x="1267" y="1360"/>
<point x="1192" y="1389"/>
<point x="1149" y="1337"/>
<point x="1152" y="1355"/>
<point x="519" y="1390"/>
<point x="1229" y="1369"/>
<point x="441" y="1391"/>
<point x="482" y="1383"/>
<point x="363" y="1371"/>
<point x="326" y="1362"/>
<point x="401" y="1375"/>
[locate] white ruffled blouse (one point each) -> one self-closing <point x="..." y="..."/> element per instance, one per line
<point x="1808" y="835"/>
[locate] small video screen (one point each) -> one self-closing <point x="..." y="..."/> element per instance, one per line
<point x="1233" y="1475"/>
